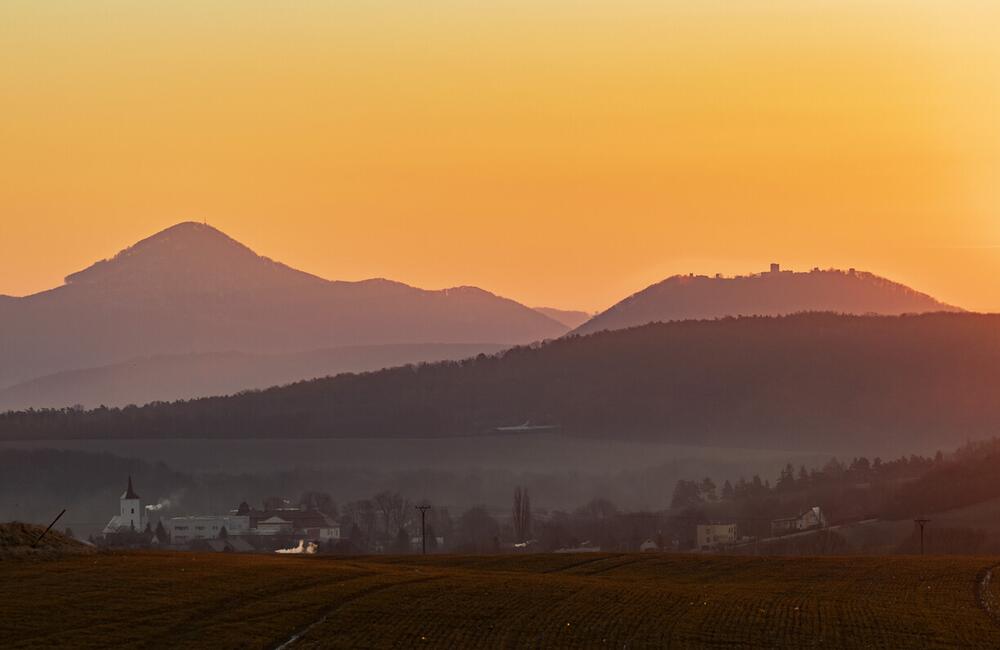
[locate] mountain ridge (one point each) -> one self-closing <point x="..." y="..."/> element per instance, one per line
<point x="167" y="378"/>
<point x="193" y="289"/>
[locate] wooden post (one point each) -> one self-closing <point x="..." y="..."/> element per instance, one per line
<point x="46" y="531"/>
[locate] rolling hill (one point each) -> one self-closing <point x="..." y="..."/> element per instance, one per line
<point x="775" y="293"/>
<point x="20" y="540"/>
<point x="191" y="289"/>
<point x="568" y="317"/>
<point x="186" y="376"/>
<point x="808" y="382"/>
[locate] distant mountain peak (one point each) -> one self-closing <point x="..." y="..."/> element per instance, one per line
<point x="193" y="289"/>
<point x="186" y="233"/>
<point x="770" y="293"/>
<point x="185" y="255"/>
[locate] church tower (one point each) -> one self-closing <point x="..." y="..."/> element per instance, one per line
<point x="131" y="513"/>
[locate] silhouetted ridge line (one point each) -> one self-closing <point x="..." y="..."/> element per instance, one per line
<point x="773" y="293"/>
<point x="810" y="381"/>
<point x="191" y="289"/>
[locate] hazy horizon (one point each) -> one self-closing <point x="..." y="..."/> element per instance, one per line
<point x="548" y="310"/>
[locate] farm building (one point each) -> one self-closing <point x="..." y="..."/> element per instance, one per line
<point x="810" y="519"/>
<point x="710" y="536"/>
<point x="183" y="530"/>
<point x="273" y="525"/>
<point x="311" y="524"/>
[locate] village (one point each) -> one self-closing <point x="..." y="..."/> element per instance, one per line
<point x="388" y="523"/>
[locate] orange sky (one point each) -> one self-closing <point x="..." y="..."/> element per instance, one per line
<point x="560" y="153"/>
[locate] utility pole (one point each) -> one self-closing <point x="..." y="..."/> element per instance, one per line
<point x="423" y="527"/>
<point x="921" y="523"/>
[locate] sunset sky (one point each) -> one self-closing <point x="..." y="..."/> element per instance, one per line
<point x="560" y="153"/>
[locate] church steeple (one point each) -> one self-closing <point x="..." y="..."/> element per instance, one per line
<point x="129" y="493"/>
<point x="132" y="514"/>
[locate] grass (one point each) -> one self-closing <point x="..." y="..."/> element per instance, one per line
<point x="154" y="599"/>
<point x="25" y="540"/>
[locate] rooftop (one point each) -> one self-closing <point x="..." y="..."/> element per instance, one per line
<point x="129" y="493"/>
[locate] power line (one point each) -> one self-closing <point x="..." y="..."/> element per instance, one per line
<point x="921" y="523"/>
<point x="423" y="526"/>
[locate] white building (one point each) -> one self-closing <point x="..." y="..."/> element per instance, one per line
<point x="811" y="519"/>
<point x="310" y="524"/>
<point x="274" y="526"/>
<point x="186" y="529"/>
<point x="131" y="516"/>
<point x="322" y="533"/>
<point x="711" y="536"/>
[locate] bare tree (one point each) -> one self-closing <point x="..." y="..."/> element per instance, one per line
<point x="161" y="533"/>
<point x="598" y="509"/>
<point x="478" y="531"/>
<point x="321" y="501"/>
<point x="383" y="504"/>
<point x="521" y="514"/>
<point x="598" y="517"/>
<point x="394" y="510"/>
<point x="402" y="513"/>
<point x="368" y="519"/>
<point x="363" y="515"/>
<point x="440" y="518"/>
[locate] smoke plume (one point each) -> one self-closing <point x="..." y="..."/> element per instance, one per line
<point x="160" y="505"/>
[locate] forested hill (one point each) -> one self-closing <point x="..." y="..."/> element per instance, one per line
<point x="808" y="381"/>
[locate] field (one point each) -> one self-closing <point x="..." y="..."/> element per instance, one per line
<point x="155" y="599"/>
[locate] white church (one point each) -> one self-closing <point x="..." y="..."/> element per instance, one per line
<point x="131" y="515"/>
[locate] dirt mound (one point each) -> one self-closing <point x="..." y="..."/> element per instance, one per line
<point x="17" y="539"/>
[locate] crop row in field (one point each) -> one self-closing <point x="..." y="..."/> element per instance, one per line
<point x="567" y="601"/>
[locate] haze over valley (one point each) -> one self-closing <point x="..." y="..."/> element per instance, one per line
<point x="191" y="301"/>
<point x="206" y="378"/>
<point x="189" y="312"/>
